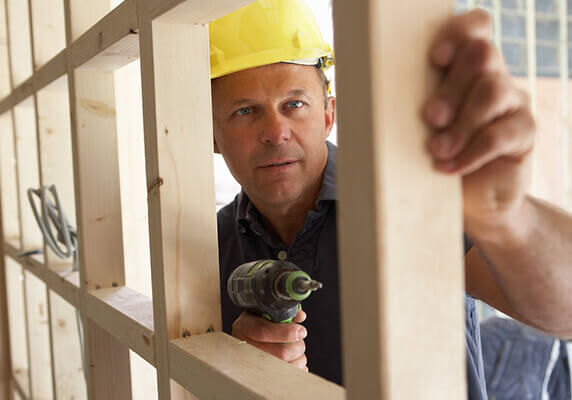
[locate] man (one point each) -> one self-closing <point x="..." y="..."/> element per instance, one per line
<point x="271" y="121"/>
<point x="522" y="363"/>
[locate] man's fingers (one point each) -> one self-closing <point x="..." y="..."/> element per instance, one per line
<point x="476" y="24"/>
<point x="300" y="362"/>
<point x="512" y="137"/>
<point x="475" y="58"/>
<point x="286" y="351"/>
<point x="300" y="317"/>
<point x="492" y="96"/>
<point x="249" y="326"/>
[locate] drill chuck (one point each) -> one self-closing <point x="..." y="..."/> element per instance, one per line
<point x="270" y="288"/>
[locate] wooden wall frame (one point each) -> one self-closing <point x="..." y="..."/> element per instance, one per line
<point x="178" y="331"/>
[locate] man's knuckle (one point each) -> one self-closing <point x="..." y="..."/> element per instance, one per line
<point x="482" y="55"/>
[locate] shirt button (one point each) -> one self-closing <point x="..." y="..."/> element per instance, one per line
<point x="282" y="255"/>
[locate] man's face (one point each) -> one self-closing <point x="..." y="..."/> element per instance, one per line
<point x="270" y="125"/>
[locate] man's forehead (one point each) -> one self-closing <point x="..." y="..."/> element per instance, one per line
<point x="282" y="77"/>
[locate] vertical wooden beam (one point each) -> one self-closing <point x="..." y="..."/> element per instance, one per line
<point x="40" y="355"/>
<point x="28" y="175"/>
<point x="48" y="30"/>
<point x="56" y="168"/>
<point x="406" y="272"/>
<point x="131" y="146"/>
<point x="98" y="208"/>
<point x="10" y="220"/>
<point x="5" y="354"/>
<point x="94" y="140"/>
<point x="17" y="324"/>
<point x="4" y="53"/>
<point x="9" y="225"/>
<point x="179" y="148"/>
<point x="19" y="40"/>
<point x="68" y="368"/>
<point x="182" y="220"/>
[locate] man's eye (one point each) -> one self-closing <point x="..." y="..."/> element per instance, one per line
<point x="244" y="111"/>
<point x="295" y="103"/>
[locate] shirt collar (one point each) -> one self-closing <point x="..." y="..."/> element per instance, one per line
<point x="247" y="212"/>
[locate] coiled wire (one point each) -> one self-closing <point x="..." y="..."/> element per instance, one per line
<point x="52" y="215"/>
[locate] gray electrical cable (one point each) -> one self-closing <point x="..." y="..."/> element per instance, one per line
<point x="53" y="215"/>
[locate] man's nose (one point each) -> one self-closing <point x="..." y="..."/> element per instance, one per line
<point x="275" y="129"/>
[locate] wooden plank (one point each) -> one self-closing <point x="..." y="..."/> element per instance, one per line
<point x="99" y="222"/>
<point x="55" y="151"/>
<point x="126" y="315"/>
<point x="407" y="216"/>
<point x="5" y="87"/>
<point x="48" y="30"/>
<point x="131" y="151"/>
<point x="113" y="39"/>
<point x="27" y="171"/>
<point x="63" y="281"/>
<point x="219" y="366"/>
<point x="5" y="355"/>
<point x="84" y="14"/>
<point x="17" y="324"/>
<point x="9" y="196"/>
<point x="182" y="220"/>
<point x="96" y="180"/>
<point x="19" y="40"/>
<point x="68" y="368"/>
<point x="38" y="331"/>
<point x="189" y="11"/>
<point x="48" y="73"/>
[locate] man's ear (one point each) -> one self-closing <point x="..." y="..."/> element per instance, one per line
<point x="330" y="114"/>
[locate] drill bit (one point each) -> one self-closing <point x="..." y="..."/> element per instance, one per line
<point x="303" y="285"/>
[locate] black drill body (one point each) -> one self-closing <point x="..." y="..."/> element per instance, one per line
<point x="270" y="288"/>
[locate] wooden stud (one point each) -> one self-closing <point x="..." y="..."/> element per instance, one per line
<point x="38" y="332"/>
<point x="5" y="87"/>
<point x="127" y="315"/>
<point x="17" y="325"/>
<point x="68" y="368"/>
<point x="56" y="154"/>
<point x="27" y="171"/>
<point x="407" y="216"/>
<point x="94" y="141"/>
<point x="9" y="197"/>
<point x="48" y="31"/>
<point x="84" y="14"/>
<point x="5" y="353"/>
<point x="219" y="366"/>
<point x="19" y="40"/>
<point x="96" y="177"/>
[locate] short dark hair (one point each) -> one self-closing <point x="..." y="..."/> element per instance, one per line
<point x="325" y="85"/>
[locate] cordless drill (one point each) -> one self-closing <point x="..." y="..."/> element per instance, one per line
<point x="270" y="288"/>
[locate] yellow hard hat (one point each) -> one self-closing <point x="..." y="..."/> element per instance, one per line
<point x="266" y="32"/>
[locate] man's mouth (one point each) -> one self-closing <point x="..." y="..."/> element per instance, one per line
<point x="278" y="164"/>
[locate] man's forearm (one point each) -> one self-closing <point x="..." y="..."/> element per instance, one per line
<point x="531" y="259"/>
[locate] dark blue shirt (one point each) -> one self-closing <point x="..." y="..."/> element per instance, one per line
<point x="243" y="238"/>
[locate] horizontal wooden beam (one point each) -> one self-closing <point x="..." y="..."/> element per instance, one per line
<point x="219" y="366"/>
<point x="190" y="11"/>
<point x="65" y="283"/>
<point x="98" y="42"/>
<point x="48" y="73"/>
<point x="125" y="314"/>
<point x="109" y="44"/>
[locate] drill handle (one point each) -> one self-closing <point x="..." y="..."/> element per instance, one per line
<point x="281" y="316"/>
